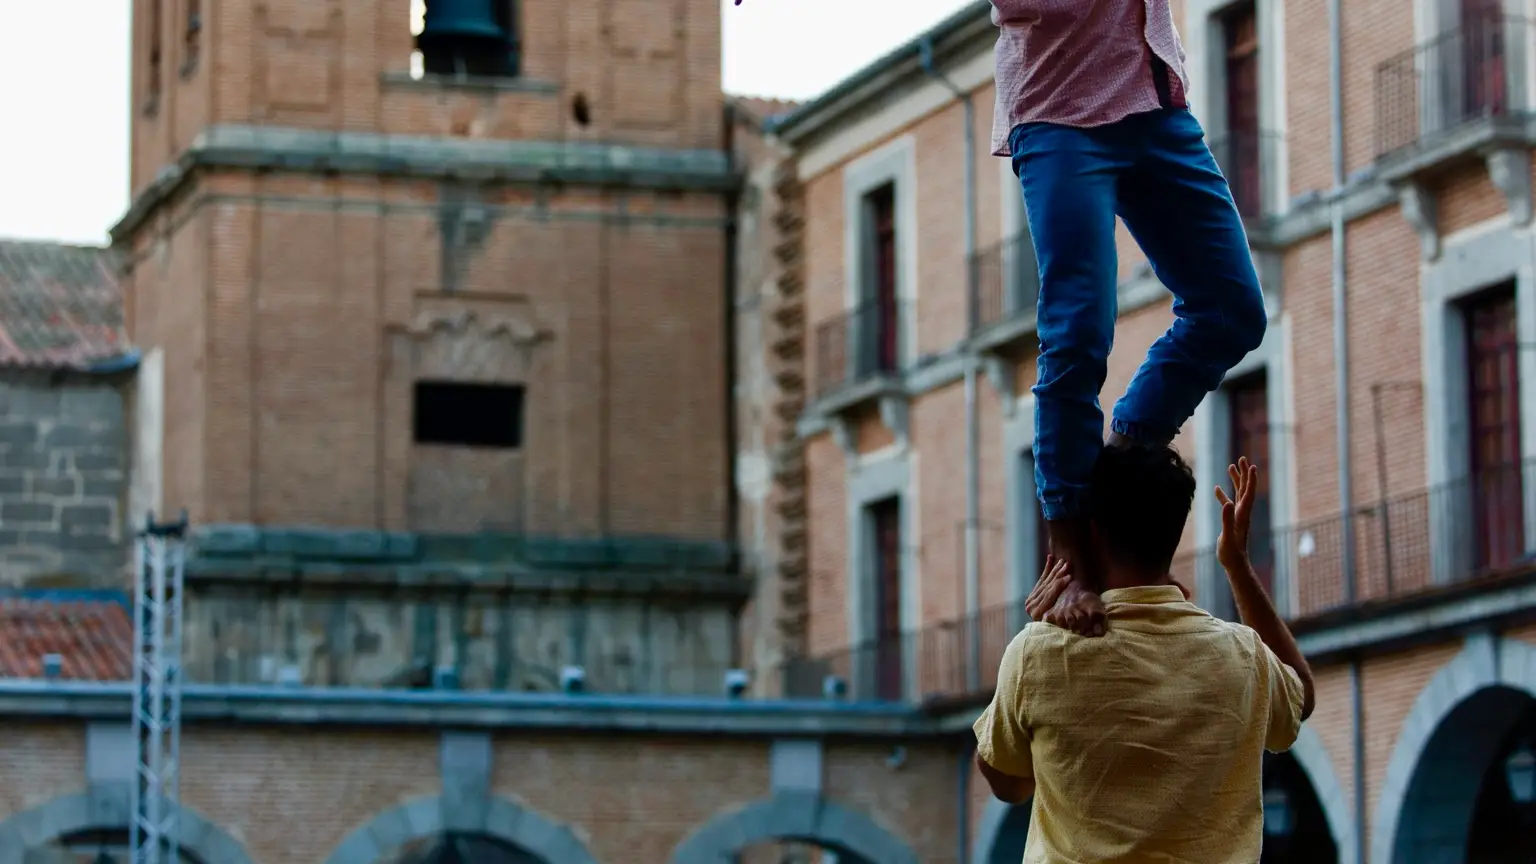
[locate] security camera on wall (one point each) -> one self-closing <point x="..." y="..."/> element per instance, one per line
<point x="834" y="687"/>
<point x="573" y="679"/>
<point x="736" y="682"/>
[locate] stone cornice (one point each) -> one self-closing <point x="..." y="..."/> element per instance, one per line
<point x="263" y="148"/>
<point x="202" y="704"/>
<point x="272" y="557"/>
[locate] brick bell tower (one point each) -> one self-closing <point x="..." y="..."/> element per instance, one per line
<point x="433" y="300"/>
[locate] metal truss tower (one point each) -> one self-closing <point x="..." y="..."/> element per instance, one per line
<point x="157" y="613"/>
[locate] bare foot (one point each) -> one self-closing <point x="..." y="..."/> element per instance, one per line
<point x="1078" y="610"/>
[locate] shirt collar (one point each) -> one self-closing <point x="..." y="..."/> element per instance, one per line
<point x="1144" y="595"/>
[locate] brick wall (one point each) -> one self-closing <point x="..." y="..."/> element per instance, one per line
<point x="297" y="311"/>
<point x="649" y="71"/>
<point x="63" y="459"/>
<point x="290" y="796"/>
<point x="302" y="410"/>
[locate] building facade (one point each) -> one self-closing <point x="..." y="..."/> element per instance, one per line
<point x="1398" y="275"/>
<point x="436" y="315"/>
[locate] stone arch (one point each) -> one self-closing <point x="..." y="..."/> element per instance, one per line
<point x="802" y="816"/>
<point x="1310" y="753"/>
<point x="1004" y="826"/>
<point x="95" y="811"/>
<point x="1486" y="666"/>
<point x="492" y="817"/>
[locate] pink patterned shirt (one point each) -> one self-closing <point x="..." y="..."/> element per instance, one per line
<point x="1082" y="62"/>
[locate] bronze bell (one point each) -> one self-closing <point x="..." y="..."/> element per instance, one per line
<point x="465" y="36"/>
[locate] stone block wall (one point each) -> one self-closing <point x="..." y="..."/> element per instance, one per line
<point x="334" y="637"/>
<point x="63" y="480"/>
<point x="496" y="612"/>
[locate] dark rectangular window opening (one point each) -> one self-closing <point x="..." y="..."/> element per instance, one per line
<point x="1493" y="414"/>
<point x="1248" y="435"/>
<point x="885" y="519"/>
<point x="468" y="415"/>
<point x="454" y="43"/>
<point x="1240" y="151"/>
<point x="880" y="291"/>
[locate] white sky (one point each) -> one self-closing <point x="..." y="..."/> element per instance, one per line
<point x="64" y="153"/>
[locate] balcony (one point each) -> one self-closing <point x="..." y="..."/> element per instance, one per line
<point x="1461" y="91"/>
<point x="1435" y="545"/>
<point x="1251" y="162"/>
<point x="1432" y="542"/>
<point x="952" y="661"/>
<point x="860" y="356"/>
<point x="1007" y="285"/>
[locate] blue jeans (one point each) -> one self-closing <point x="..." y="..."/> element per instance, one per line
<point x="1155" y="172"/>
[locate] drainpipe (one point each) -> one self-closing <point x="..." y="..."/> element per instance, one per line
<point x="1357" y="729"/>
<point x="1341" y="397"/>
<point x="1340" y="294"/>
<point x="971" y="361"/>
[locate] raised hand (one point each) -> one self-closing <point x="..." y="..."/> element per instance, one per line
<point x="1236" y="516"/>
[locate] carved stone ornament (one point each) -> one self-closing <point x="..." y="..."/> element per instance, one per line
<point x="470" y="344"/>
<point x="1510" y="171"/>
<point x="516" y="329"/>
<point x="1418" y="204"/>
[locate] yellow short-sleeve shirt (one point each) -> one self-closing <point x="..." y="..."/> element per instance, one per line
<point x="1145" y="744"/>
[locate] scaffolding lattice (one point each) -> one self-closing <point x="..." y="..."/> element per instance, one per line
<point x="157" y="646"/>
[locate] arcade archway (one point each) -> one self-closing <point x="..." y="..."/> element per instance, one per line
<point x="789" y="816"/>
<point x="481" y="830"/>
<point x="93" y="826"/>
<point x="1471" y="797"/>
<point x="1295" y="825"/>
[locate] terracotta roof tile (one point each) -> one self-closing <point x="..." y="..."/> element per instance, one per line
<point x="90" y="630"/>
<point x="61" y="307"/>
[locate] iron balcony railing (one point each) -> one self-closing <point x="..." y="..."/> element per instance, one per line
<point x="1006" y="280"/>
<point x="1469" y="530"/>
<point x="1479" y="70"/>
<point x="863" y="343"/>
<point x="1250" y="160"/>
<point x="947" y="661"/>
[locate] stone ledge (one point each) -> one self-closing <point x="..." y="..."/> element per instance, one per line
<point x="1444" y="151"/>
<point x="265" y="148"/>
<point x="553" y="712"/>
<point x="470" y="83"/>
<point x="234" y="541"/>
<point x="486" y="561"/>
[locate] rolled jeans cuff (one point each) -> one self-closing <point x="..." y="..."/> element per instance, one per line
<point x="1069" y="504"/>
<point x="1149" y="434"/>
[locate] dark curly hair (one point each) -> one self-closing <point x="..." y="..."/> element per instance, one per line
<point x="1141" y="499"/>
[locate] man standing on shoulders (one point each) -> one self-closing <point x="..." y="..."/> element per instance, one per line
<point x="1091" y="110"/>
<point x="1147" y="743"/>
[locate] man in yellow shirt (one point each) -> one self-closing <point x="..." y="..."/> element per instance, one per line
<point x="1147" y="743"/>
